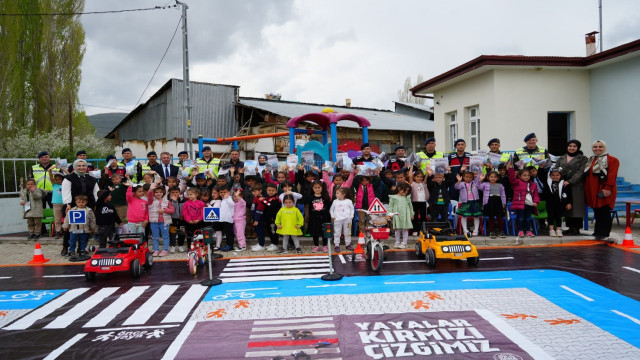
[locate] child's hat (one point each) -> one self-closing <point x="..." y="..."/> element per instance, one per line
<point x="200" y="176"/>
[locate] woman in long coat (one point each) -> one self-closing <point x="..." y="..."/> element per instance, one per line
<point x="571" y="167"/>
<point x="600" y="188"/>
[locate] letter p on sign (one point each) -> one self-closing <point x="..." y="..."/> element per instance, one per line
<point x="77" y="217"/>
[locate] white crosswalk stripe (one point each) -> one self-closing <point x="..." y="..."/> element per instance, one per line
<point x="273" y="268"/>
<point x="76" y="303"/>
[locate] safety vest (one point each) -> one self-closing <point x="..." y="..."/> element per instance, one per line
<point x="504" y="158"/>
<point x="41" y="177"/>
<point x="522" y="153"/>
<point x="213" y="164"/>
<point x="424" y="164"/>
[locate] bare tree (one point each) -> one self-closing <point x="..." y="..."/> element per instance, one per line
<point x="405" y="95"/>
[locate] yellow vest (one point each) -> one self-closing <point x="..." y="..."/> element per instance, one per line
<point x="41" y="176"/>
<point x="214" y="164"/>
<point x="424" y="164"/>
<point x="538" y="155"/>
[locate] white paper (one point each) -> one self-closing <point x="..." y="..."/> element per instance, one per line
<point x="95" y="174"/>
<point x="483" y="153"/>
<point x="344" y="161"/>
<point x="131" y="170"/>
<point x="250" y="167"/>
<point x="62" y="163"/>
<point x="367" y="169"/>
<point x="439" y="165"/>
<point x="27" y="206"/>
<point x="308" y="158"/>
<point x="292" y="161"/>
<point x="494" y="158"/>
<point x="222" y="171"/>
<point x="476" y="163"/>
<point x="329" y="168"/>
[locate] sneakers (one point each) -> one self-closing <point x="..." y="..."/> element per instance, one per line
<point x="559" y="233"/>
<point x="402" y="246"/>
<point x="290" y="246"/>
<point x="325" y="249"/>
<point x="238" y="248"/>
<point x="83" y="253"/>
<point x="493" y="235"/>
<point x="226" y="248"/>
<point x="298" y="250"/>
<point x="349" y="247"/>
<point x="257" y="247"/>
<point x="315" y="249"/>
<point x="71" y="253"/>
<point x="163" y="253"/>
<point x="396" y="246"/>
<point x="502" y="234"/>
<point x="474" y="233"/>
<point x="415" y="233"/>
<point x="172" y="249"/>
<point x="64" y="251"/>
<point x="520" y="233"/>
<point x="156" y="253"/>
<point x="553" y="233"/>
<point x="272" y="247"/>
<point x="181" y="249"/>
<point x="282" y="251"/>
<point x="530" y="234"/>
<point x="337" y="249"/>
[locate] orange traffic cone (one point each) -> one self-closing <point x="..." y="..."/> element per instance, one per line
<point x="38" y="257"/>
<point x="628" y="239"/>
<point x="359" y="249"/>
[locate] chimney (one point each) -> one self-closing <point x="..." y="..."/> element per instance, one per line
<point x="590" y="40"/>
<point x="348" y="102"/>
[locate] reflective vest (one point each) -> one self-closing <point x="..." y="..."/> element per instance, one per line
<point x="41" y="177"/>
<point x="424" y="156"/>
<point x="522" y="153"/>
<point x="213" y="164"/>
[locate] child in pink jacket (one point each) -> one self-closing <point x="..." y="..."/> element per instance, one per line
<point x="137" y="214"/>
<point x="240" y="219"/>
<point x="192" y="214"/>
<point x="525" y="198"/>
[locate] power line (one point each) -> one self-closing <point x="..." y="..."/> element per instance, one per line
<point x="92" y="12"/>
<point x="160" y="63"/>
<point x="104" y="107"/>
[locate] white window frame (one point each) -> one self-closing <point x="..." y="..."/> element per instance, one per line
<point x="474" y="121"/>
<point x="453" y="128"/>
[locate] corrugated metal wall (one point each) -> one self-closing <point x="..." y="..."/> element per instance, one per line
<point x="212" y="112"/>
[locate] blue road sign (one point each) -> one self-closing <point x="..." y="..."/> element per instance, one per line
<point x="77" y="217"/>
<point x="211" y="214"/>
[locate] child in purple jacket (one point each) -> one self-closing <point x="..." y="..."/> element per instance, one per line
<point x="494" y="201"/>
<point x="469" y="204"/>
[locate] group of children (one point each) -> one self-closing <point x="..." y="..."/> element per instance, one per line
<point x="172" y="208"/>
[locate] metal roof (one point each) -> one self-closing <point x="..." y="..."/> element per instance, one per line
<point x="426" y="108"/>
<point x="380" y="119"/>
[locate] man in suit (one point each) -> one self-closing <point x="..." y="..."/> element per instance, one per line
<point x="168" y="169"/>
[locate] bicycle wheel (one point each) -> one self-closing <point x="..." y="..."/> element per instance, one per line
<point x="193" y="264"/>
<point x="377" y="257"/>
<point x="367" y="250"/>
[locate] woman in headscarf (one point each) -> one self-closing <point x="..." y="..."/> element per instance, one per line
<point x="600" y="188"/>
<point x="571" y="166"/>
<point x="79" y="182"/>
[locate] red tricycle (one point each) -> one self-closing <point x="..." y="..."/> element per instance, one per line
<point x="198" y="253"/>
<point x="126" y="252"/>
<point x="374" y="250"/>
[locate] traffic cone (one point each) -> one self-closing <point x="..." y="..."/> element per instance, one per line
<point x="359" y="249"/>
<point x="38" y="257"/>
<point x="628" y="239"/>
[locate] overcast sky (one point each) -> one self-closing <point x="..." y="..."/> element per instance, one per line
<point x="324" y="51"/>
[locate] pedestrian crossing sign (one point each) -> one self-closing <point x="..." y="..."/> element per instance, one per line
<point x="376" y="207"/>
<point x="211" y="214"/>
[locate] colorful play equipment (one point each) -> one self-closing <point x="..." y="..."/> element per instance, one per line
<point x="327" y="120"/>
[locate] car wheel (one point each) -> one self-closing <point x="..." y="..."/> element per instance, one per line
<point x="148" y="261"/>
<point x="430" y="256"/>
<point x="377" y="257"/>
<point x="473" y="261"/>
<point x="90" y="276"/>
<point x="419" y="253"/>
<point x="193" y="264"/>
<point x="136" y="270"/>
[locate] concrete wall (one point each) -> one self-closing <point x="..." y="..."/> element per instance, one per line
<point x="140" y="148"/>
<point x="11" y="220"/>
<point x="615" y="92"/>
<point x="513" y="103"/>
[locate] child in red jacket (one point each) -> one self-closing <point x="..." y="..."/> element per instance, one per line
<point x="192" y="214"/>
<point x="525" y="198"/>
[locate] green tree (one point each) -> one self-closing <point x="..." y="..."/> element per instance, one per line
<point x="39" y="64"/>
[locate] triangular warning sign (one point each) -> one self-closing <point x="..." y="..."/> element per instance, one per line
<point x="212" y="216"/>
<point x="376" y="207"/>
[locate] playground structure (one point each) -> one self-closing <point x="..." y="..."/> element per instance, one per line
<point x="327" y="120"/>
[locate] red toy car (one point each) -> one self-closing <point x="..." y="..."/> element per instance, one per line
<point x="125" y="253"/>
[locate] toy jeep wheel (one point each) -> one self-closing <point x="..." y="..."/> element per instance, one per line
<point x="149" y="261"/>
<point x="473" y="261"/>
<point x="419" y="253"/>
<point x="430" y="256"/>
<point x="136" y="270"/>
<point x="90" y="275"/>
<point x="353" y="256"/>
<point x="193" y="264"/>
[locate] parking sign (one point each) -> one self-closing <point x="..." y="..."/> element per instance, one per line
<point x="77" y="217"/>
<point x="211" y="214"/>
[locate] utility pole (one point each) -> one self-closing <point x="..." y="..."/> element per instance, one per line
<point x="600" y="9"/>
<point x="70" y="125"/>
<point x="186" y="85"/>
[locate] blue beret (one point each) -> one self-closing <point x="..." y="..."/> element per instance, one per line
<point x="151" y="153"/>
<point x="431" y="139"/>
<point x="81" y="152"/>
<point x="125" y="150"/>
<point x="459" y="141"/>
<point x="42" y="153"/>
<point x="183" y="152"/>
<point x="530" y="136"/>
<point x="494" y="140"/>
<point x="200" y="176"/>
<point x="399" y="147"/>
<point x="110" y="157"/>
<point x="206" y="148"/>
<point x="364" y="146"/>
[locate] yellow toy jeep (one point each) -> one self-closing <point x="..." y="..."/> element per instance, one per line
<point x="439" y="241"/>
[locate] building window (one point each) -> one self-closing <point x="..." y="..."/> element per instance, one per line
<point x="453" y="128"/>
<point x="474" y="128"/>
